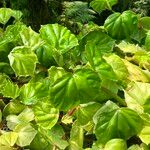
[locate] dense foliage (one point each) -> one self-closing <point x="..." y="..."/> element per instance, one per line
<point x="87" y="88"/>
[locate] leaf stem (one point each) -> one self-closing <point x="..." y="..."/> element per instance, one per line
<point x="115" y="96"/>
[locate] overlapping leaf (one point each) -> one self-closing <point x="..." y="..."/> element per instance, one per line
<point x="110" y="120"/>
<point x="23" y="61"/>
<point x="46" y="116"/>
<point x="32" y="92"/>
<point x="68" y="90"/>
<point x="137" y="97"/>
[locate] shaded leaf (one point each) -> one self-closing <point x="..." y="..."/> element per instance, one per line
<point x="99" y="5"/>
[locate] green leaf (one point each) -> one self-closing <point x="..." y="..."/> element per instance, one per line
<point x="88" y="84"/>
<point x="145" y="135"/>
<point x="55" y="136"/>
<point x="5" y="68"/>
<point x="145" y="22"/>
<point x="116" y="144"/>
<point x="142" y="59"/>
<point x="118" y="66"/>
<point x="31" y="93"/>
<point x="58" y="37"/>
<point x="121" y="26"/>
<point x="13" y="107"/>
<point x="7" y="13"/>
<point x="136" y="73"/>
<point x="23" y="61"/>
<point x="3" y="147"/>
<point x="137" y="97"/>
<point x="26" y="134"/>
<point x="45" y="55"/>
<point x="137" y="147"/>
<point x="10" y="90"/>
<point x="99" y="5"/>
<point x="25" y="116"/>
<point x="55" y="73"/>
<point x="8" y="138"/>
<point x="30" y="38"/>
<point x="12" y="121"/>
<point x="101" y="43"/>
<point x="12" y="34"/>
<point x="0" y="116"/>
<point x="63" y="93"/>
<point x="70" y="88"/>
<point x="97" y="42"/>
<point x="39" y="143"/>
<point x="46" y="116"/>
<point x="126" y="47"/>
<point x="76" y="137"/>
<point x="147" y="41"/>
<point x="86" y="112"/>
<point x="109" y="121"/>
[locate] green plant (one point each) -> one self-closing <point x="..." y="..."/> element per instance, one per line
<point x="61" y="91"/>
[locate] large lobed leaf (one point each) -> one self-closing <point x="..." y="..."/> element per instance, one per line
<point x="58" y="37"/>
<point x="121" y="26"/>
<point x="110" y="120"/>
<point x="72" y="89"/>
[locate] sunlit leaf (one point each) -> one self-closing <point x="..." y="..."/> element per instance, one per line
<point x="109" y="121"/>
<point x="55" y="136"/>
<point x="58" y="37"/>
<point x="137" y="97"/>
<point x="7" y="13"/>
<point x="76" y="137"/>
<point x="46" y="116"/>
<point x="30" y="93"/>
<point x="26" y="134"/>
<point x="23" y="61"/>
<point x="145" y="135"/>
<point x="121" y="26"/>
<point x="116" y="144"/>
<point x="8" y="138"/>
<point x="31" y="38"/>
